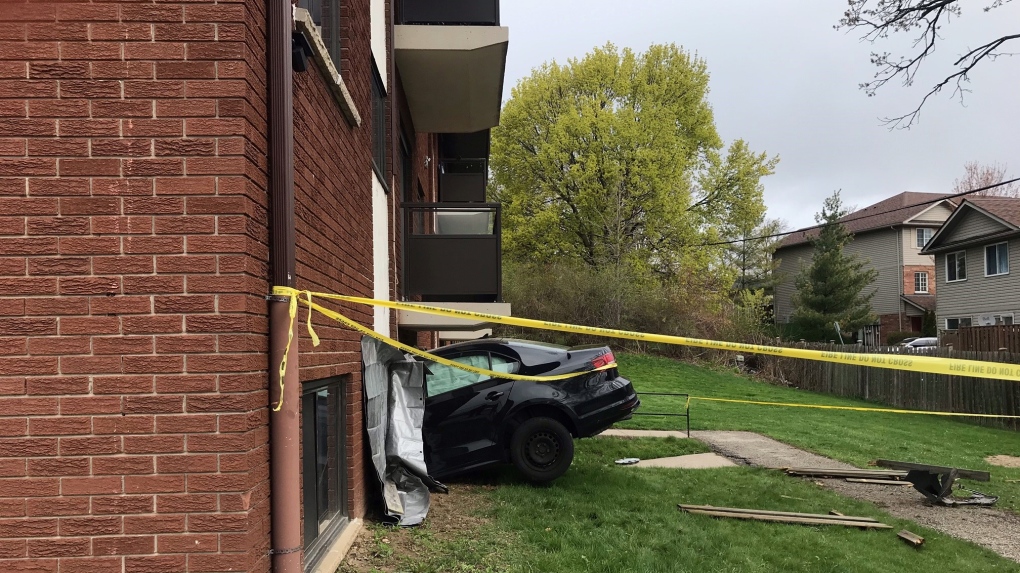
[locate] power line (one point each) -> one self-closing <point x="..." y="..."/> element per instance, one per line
<point x="851" y="219"/>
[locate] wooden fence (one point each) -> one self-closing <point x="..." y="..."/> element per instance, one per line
<point x="904" y="389"/>
<point x="989" y="338"/>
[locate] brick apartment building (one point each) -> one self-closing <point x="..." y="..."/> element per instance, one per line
<point x="164" y="164"/>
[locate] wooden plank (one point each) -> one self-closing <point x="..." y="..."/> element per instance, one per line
<point x="975" y="475"/>
<point x="911" y="538"/>
<point x="836" y="513"/>
<point x="820" y="472"/>
<point x="775" y="513"/>
<point x="797" y="520"/>
<point x="879" y="481"/>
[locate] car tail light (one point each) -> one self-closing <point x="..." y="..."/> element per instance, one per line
<point x="603" y="360"/>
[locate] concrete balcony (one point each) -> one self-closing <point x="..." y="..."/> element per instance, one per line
<point x="451" y="55"/>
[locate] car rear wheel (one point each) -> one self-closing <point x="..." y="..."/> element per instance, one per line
<point x="542" y="449"/>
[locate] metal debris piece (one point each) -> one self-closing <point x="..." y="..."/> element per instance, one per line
<point x="627" y="461"/>
<point x="937" y="487"/>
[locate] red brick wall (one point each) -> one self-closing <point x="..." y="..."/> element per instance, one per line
<point x="333" y="212"/>
<point x="908" y="278"/>
<point x="132" y="276"/>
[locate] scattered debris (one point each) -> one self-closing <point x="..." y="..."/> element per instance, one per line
<point x="879" y="481"/>
<point x="1004" y="461"/>
<point x="846" y="473"/>
<point x="938" y="488"/>
<point x="836" y="513"/>
<point x="975" y="475"/>
<point x="784" y="516"/>
<point x="911" y="538"/>
<point x="627" y="461"/>
<point x="791" y="497"/>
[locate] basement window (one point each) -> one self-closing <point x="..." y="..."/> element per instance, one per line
<point x="956" y="323"/>
<point x="323" y="465"/>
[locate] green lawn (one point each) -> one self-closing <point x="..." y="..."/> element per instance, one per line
<point x="600" y="517"/>
<point x="854" y="437"/>
<point x="604" y="518"/>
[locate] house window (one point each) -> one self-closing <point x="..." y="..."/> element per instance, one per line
<point x="956" y="266"/>
<point x="326" y="16"/>
<point x="379" y="126"/>
<point x="956" y="323"/>
<point x="923" y="236"/>
<point x="920" y="282"/>
<point x="323" y="458"/>
<point x="996" y="259"/>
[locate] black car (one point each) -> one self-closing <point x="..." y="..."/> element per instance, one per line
<point x="473" y="421"/>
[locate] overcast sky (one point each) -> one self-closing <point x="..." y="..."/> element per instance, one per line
<point x="784" y="80"/>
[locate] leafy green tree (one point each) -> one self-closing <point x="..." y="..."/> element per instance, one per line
<point x="832" y="288"/>
<point x="614" y="159"/>
<point x="750" y="255"/>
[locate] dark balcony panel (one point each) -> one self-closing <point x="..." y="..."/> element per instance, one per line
<point x="450" y="12"/>
<point x="453" y="268"/>
<point x="452" y="253"/>
<point x="462" y="187"/>
<point x="464" y="145"/>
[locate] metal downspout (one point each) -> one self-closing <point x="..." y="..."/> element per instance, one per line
<point x="285" y="436"/>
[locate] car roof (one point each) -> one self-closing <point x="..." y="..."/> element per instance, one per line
<point x="507" y="341"/>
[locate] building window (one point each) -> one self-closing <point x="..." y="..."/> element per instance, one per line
<point x="996" y="259"/>
<point x="956" y="323"/>
<point x="323" y="465"/>
<point x="923" y="236"/>
<point x="921" y="283"/>
<point x="1004" y="319"/>
<point x="956" y="266"/>
<point x="326" y="15"/>
<point x="379" y="126"/>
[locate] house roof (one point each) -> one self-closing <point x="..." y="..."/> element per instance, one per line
<point x="921" y="301"/>
<point x="1005" y="210"/>
<point x="886" y="213"/>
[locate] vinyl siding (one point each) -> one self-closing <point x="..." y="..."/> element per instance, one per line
<point x="911" y="253"/>
<point x="791" y="261"/>
<point x="880" y="250"/>
<point x="937" y="215"/>
<point x="973" y="224"/>
<point x="979" y="294"/>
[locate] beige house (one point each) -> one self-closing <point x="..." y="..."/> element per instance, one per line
<point x="975" y="251"/>
<point x="889" y="236"/>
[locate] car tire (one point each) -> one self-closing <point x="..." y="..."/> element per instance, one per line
<point x="542" y="449"/>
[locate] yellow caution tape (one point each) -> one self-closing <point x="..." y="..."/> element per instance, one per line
<point x="427" y="355"/>
<point x="913" y="363"/>
<point x="851" y="408"/>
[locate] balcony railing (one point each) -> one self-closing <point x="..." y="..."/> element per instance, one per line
<point x="450" y="12"/>
<point x="452" y="252"/>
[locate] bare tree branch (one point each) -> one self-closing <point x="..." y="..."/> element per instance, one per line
<point x="881" y="18"/>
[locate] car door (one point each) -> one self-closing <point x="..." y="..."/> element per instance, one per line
<point x="462" y="413"/>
